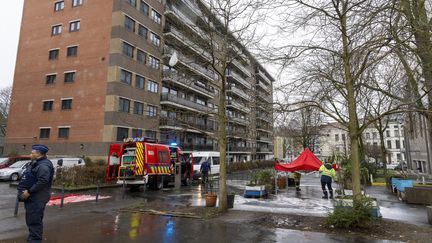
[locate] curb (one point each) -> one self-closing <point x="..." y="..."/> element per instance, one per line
<point x="378" y="184"/>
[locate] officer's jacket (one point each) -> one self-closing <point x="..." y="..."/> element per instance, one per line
<point x="37" y="179"/>
<point x="327" y="170"/>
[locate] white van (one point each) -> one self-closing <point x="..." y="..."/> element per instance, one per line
<point x="67" y="162"/>
<point x="210" y="156"/>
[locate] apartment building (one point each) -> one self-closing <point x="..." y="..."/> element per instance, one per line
<point x="90" y="73"/>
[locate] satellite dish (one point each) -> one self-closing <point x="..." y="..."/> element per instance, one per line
<point x="173" y="60"/>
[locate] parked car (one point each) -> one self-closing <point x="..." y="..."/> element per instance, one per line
<point x="391" y="166"/>
<point x="15" y="171"/>
<point x="67" y="162"/>
<point x="8" y="161"/>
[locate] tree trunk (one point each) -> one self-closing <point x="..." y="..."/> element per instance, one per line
<point x="222" y="138"/>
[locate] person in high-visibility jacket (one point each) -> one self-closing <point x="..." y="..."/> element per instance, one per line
<point x="327" y="175"/>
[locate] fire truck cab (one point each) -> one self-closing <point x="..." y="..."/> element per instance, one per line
<point x="142" y="161"/>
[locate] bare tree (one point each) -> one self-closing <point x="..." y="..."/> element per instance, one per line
<point x="5" y="99"/>
<point x="346" y="40"/>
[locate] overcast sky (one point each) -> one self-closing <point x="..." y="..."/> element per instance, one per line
<point x="10" y="21"/>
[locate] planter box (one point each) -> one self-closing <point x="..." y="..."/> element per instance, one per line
<point x="255" y="191"/>
<point x="418" y="195"/>
<point x="401" y="184"/>
<point x="348" y="203"/>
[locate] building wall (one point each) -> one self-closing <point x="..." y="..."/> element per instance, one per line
<point x="86" y="117"/>
<point x="418" y="158"/>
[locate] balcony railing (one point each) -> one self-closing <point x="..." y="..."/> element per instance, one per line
<point x="198" y="147"/>
<point x="210" y="127"/>
<point x="238" y="106"/>
<point x="240" y="93"/>
<point x="238" y="120"/>
<point x="241" y="67"/>
<point x="262" y="75"/>
<point x="238" y="78"/>
<point x="188" y="82"/>
<point x="264" y="86"/>
<point x="263" y="138"/>
<point x="197" y="49"/>
<point x="232" y="149"/>
<point x="264" y="150"/>
<point x="177" y="100"/>
<point x="192" y="64"/>
<point x="265" y="117"/>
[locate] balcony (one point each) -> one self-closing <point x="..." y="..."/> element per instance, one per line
<point x="196" y="147"/>
<point x="265" y="117"/>
<point x="188" y="83"/>
<point x="238" y="78"/>
<point x="191" y="64"/>
<point x="238" y="120"/>
<point x="233" y="149"/>
<point x="237" y="133"/>
<point x="264" y="150"/>
<point x="241" y="67"/>
<point x="263" y="86"/>
<point x="239" y="92"/>
<point x="171" y="30"/>
<point x="173" y="122"/>
<point x="238" y="106"/>
<point x="265" y="128"/>
<point x="177" y="13"/>
<point x="264" y="139"/>
<point x="265" y="97"/>
<point x="175" y="100"/>
<point x="263" y="76"/>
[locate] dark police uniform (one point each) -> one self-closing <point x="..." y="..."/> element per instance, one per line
<point x="37" y="179"/>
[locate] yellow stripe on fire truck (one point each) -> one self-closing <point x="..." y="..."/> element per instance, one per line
<point x="139" y="160"/>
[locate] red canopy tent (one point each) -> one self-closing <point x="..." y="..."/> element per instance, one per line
<point x="307" y="161"/>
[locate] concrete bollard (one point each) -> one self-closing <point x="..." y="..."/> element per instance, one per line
<point x="62" y="197"/>
<point x="429" y="213"/>
<point x="97" y="192"/>
<point x="16" y="206"/>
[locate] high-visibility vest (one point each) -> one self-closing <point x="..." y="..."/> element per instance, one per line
<point x="327" y="172"/>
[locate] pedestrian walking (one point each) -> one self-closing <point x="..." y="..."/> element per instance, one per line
<point x="297" y="177"/>
<point x="34" y="190"/>
<point x="327" y="175"/>
<point x="205" y="169"/>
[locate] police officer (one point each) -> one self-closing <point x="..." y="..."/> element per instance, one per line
<point x="205" y="169"/>
<point x="35" y="190"/>
<point x="327" y="175"/>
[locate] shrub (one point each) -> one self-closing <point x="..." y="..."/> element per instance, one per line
<point x="80" y="175"/>
<point x="261" y="177"/>
<point x="352" y="217"/>
<point x="250" y="165"/>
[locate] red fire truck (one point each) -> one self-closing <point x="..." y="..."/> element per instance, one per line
<point x="143" y="161"/>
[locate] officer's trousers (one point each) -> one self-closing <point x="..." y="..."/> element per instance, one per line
<point x="34" y="216"/>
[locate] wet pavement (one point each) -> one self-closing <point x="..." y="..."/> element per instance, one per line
<point x="103" y="222"/>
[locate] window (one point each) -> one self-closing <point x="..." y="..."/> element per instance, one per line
<point x="141" y="56"/>
<point x="397" y="144"/>
<point x="124" y="105"/>
<point x="63" y="132"/>
<point x="156" y="17"/>
<point x="74" y="26"/>
<point x="128" y="49"/>
<point x="139" y="82"/>
<point x="69" y="77"/>
<point x="154" y="62"/>
<point x="58" y="5"/>
<point x="136" y="133"/>
<point x="144" y="8"/>
<point x="129" y="24"/>
<point x="389" y="146"/>
<point x="396" y="133"/>
<point x="152" y="86"/>
<point x="337" y="137"/>
<point x="387" y="133"/>
<point x="155" y="39"/>
<point x="122" y="133"/>
<point x="56" y="29"/>
<point x="132" y="2"/>
<point x="72" y="51"/>
<point x="200" y="101"/>
<point x="126" y="77"/>
<point x="50" y="79"/>
<point x="76" y="3"/>
<point x="138" y="108"/>
<point x="66" y="104"/>
<point x="53" y="54"/>
<point x="150" y="134"/>
<point x="44" y="133"/>
<point x="142" y="31"/>
<point x="48" y="105"/>
<point x="367" y="135"/>
<point x="151" y="110"/>
<point x="374" y="135"/>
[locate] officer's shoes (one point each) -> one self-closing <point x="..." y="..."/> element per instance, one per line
<point x="324" y="197"/>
